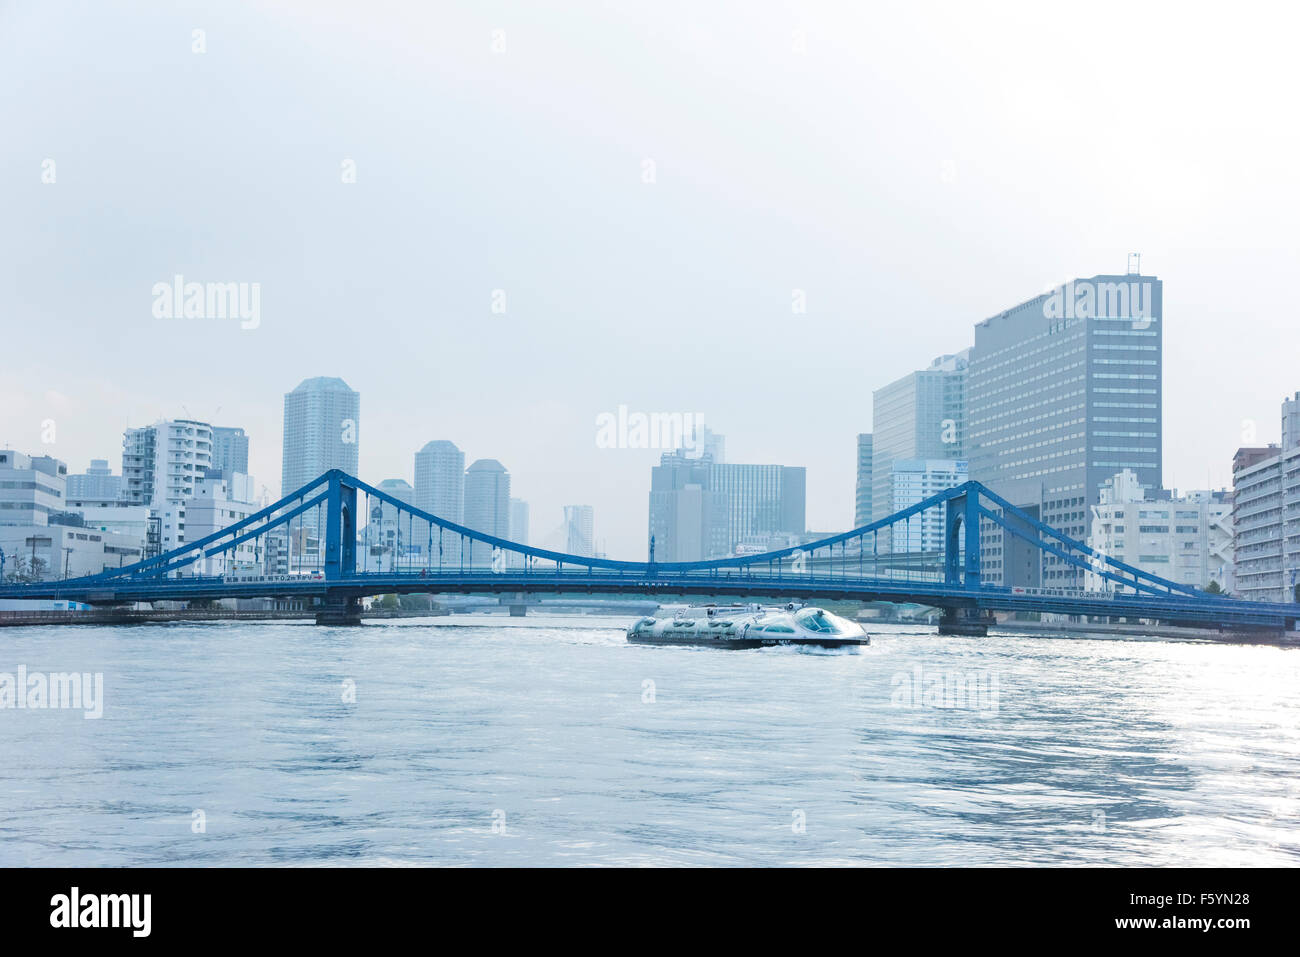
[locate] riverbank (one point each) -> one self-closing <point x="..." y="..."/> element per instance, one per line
<point x="1104" y="629"/>
<point x="126" y="616"/>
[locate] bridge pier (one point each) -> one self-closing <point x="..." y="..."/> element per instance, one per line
<point x="518" y="611"/>
<point x="339" y="611"/>
<point x="970" y="622"/>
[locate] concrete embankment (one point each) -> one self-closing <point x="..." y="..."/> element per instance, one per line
<point x="1111" y="630"/>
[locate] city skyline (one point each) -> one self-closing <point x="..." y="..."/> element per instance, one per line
<point x="250" y="445"/>
<point x="938" y="414"/>
<point x="789" y="208"/>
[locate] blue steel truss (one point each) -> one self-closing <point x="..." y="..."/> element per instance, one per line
<point x="310" y="544"/>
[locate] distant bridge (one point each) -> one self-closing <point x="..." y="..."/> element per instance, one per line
<point x="442" y="556"/>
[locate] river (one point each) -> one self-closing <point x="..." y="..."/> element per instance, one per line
<point x="551" y="741"/>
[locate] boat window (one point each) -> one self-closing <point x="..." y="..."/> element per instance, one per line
<point x="823" y="622"/>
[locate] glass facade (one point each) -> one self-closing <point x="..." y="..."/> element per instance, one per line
<point x="920" y="416"/>
<point x="761" y="499"/>
<point x="1064" y="391"/>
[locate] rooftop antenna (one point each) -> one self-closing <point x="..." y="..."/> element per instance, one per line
<point x="1135" y="264"/>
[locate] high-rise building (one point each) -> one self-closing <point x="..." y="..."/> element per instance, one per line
<point x="688" y="518"/>
<point x="703" y="509"/>
<point x="322" y="429"/>
<point x="1266" y="514"/>
<point x="1063" y="391"/>
<point x="1187" y="539"/>
<point x="579" y="524"/>
<point x="920" y="416"/>
<point x="487" y="504"/>
<point x="229" y="450"/>
<point x="1257" y="522"/>
<point x="139" y="455"/>
<point x="862" y="498"/>
<point x="98" y="482"/>
<point x="440" y="480"/>
<point x="161" y="466"/>
<point x="519" y="521"/>
<point x="761" y="499"/>
<point x="915" y="480"/>
<point x="1289" y="467"/>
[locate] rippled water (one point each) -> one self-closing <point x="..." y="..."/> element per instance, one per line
<point x="492" y="742"/>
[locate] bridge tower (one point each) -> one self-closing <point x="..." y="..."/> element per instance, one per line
<point x="339" y="607"/>
<point x="961" y="565"/>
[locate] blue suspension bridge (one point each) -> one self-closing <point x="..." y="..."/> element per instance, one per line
<point x="307" y="546"/>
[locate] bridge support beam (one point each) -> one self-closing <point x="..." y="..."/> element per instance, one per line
<point x="339" y="610"/>
<point x="961" y="560"/>
<point x="340" y="529"/>
<point x="971" y="622"/>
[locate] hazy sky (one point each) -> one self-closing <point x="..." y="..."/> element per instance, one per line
<point x="913" y="168"/>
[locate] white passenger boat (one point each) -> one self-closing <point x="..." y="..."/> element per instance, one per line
<point x="749" y="626"/>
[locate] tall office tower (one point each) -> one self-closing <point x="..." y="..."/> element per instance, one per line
<point x="161" y="465"/>
<point x="862" y="500"/>
<point x="920" y="416"/>
<point x="519" y="521"/>
<point x="229" y="450"/>
<point x="98" y="483"/>
<point x="322" y="428"/>
<point x="762" y="500"/>
<point x="688" y="518"/>
<point x="579" y="524"/>
<point x="1063" y="392"/>
<point x="440" y="480"/>
<point x="487" y="504"/>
